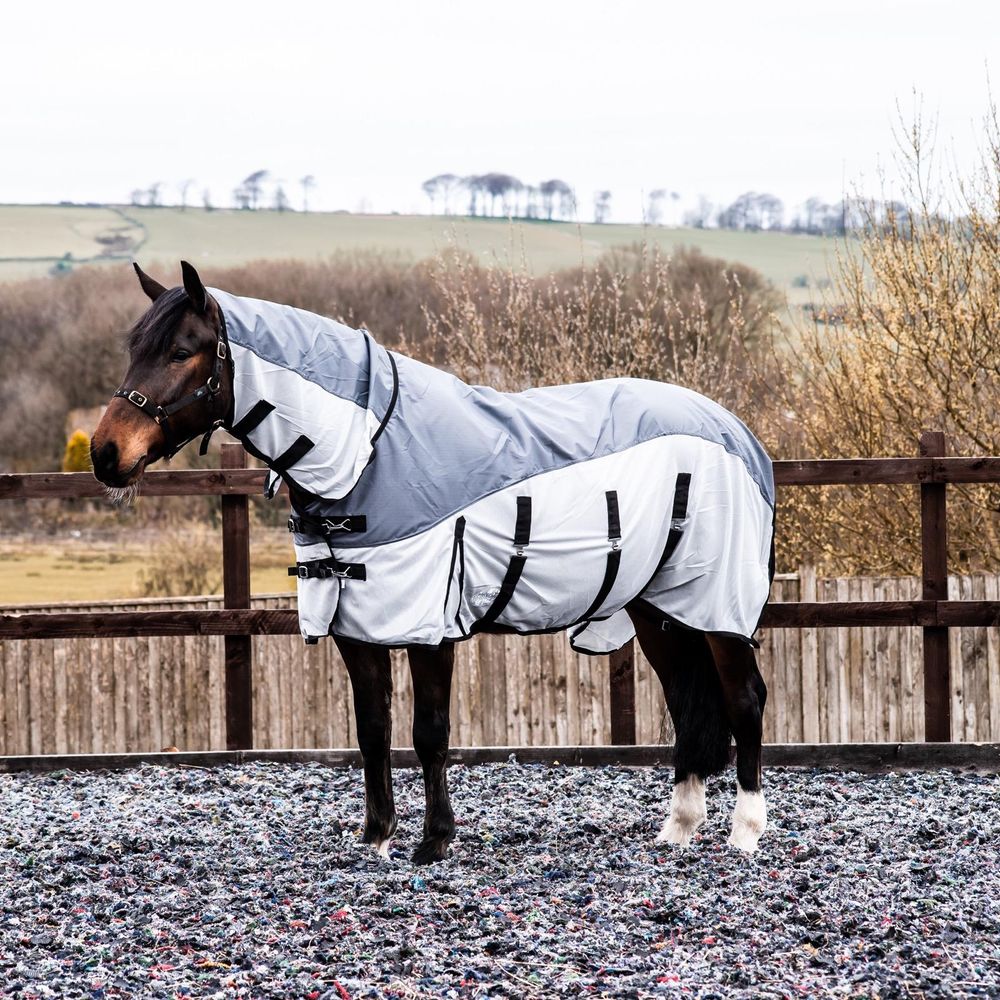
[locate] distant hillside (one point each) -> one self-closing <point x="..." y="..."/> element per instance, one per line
<point x="36" y="239"/>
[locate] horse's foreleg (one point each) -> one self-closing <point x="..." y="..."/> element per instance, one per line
<point x="431" y="670"/>
<point x="745" y="694"/>
<point x="371" y="680"/>
<point x="683" y="663"/>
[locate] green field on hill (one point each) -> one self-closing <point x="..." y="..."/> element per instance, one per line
<point x="33" y="238"/>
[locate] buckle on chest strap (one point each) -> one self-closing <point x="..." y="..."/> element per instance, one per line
<point x="325" y="569"/>
<point x="327" y="525"/>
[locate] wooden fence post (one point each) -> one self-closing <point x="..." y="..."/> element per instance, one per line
<point x="236" y="594"/>
<point x="622" y="662"/>
<point x="934" y="550"/>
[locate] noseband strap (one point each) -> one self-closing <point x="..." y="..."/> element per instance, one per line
<point x="162" y="414"/>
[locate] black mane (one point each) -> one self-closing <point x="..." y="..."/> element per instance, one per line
<point x="151" y="334"/>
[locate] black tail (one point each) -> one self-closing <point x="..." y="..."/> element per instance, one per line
<point x="696" y="705"/>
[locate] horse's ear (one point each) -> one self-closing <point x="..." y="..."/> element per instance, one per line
<point x="149" y="285"/>
<point x="194" y="288"/>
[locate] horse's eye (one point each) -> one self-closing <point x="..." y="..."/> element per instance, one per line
<point x="181" y="356"/>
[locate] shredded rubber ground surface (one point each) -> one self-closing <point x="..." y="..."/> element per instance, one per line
<point x="251" y="881"/>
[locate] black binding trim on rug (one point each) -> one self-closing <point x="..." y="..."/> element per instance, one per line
<point x="392" y="399"/>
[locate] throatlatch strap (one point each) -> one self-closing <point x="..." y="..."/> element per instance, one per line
<point x="613" y="564"/>
<point x="681" y="490"/>
<point x="252" y="418"/>
<point x="306" y="525"/>
<point x="300" y="447"/>
<point x="522" y="536"/>
<point x="324" y="569"/>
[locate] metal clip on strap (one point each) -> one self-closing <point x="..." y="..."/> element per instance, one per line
<point x="325" y="569"/>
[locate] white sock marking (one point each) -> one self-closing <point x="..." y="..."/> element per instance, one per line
<point x="382" y="848"/>
<point x="687" y="812"/>
<point x="749" y="820"/>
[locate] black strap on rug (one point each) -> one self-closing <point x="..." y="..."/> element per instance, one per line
<point x="298" y="449"/>
<point x="613" y="564"/>
<point x="522" y="536"/>
<point x="326" y="526"/>
<point x="252" y="419"/>
<point x="325" y="569"/>
<point x="681" y="491"/>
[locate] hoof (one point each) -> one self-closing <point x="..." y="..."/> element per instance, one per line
<point x="381" y="848"/>
<point x="677" y="833"/>
<point x="431" y="849"/>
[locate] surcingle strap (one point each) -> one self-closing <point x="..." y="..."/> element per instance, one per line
<point x="679" y="513"/>
<point x="305" y="525"/>
<point x="325" y="569"/>
<point x="613" y="563"/>
<point x="522" y="536"/>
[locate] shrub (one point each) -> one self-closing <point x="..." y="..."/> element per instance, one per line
<point x="76" y="458"/>
<point x="909" y="340"/>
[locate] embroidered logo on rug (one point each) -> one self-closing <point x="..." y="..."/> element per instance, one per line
<point x="483" y="597"/>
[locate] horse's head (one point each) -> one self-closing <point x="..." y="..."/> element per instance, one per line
<point x="177" y="385"/>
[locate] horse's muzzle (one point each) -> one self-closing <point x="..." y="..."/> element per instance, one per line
<point x="106" y="460"/>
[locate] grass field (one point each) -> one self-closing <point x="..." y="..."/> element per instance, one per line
<point x="43" y="573"/>
<point x="32" y="238"/>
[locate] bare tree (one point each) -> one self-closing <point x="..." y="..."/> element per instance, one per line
<point x="441" y="186"/>
<point x="602" y="206"/>
<point x="307" y="183"/>
<point x="281" y="202"/>
<point x="557" y="196"/>
<point x="701" y="216"/>
<point x="136" y="197"/>
<point x="206" y="200"/>
<point x="654" y="206"/>
<point x="253" y="184"/>
<point x="241" y="197"/>
<point x="430" y="188"/>
<point x="567" y="202"/>
<point x="183" y="187"/>
<point x="475" y="186"/>
<point x="530" y="201"/>
<point x="153" y="194"/>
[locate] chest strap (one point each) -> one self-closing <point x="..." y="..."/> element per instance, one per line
<point x="325" y="526"/>
<point x="325" y="569"/>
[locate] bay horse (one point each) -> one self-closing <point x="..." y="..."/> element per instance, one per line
<point x="426" y="510"/>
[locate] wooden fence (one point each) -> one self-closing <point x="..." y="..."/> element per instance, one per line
<point x="136" y="695"/>
<point x="823" y="699"/>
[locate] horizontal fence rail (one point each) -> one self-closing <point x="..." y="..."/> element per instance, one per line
<point x="250" y="482"/>
<point x="931" y="471"/>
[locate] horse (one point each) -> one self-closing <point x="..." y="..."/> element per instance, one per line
<point x="425" y="511"/>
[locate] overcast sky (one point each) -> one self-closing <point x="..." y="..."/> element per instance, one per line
<point x="797" y="98"/>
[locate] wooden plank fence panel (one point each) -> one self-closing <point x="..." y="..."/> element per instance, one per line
<point x="142" y="694"/>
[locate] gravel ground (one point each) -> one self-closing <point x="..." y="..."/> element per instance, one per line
<point x="251" y="881"/>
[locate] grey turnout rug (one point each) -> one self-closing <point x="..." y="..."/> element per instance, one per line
<point x="425" y="509"/>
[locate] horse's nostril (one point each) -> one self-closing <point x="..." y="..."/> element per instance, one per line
<point x="105" y="458"/>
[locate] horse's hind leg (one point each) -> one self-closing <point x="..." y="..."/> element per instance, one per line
<point x="683" y="662"/>
<point x="431" y="670"/>
<point x="371" y="681"/>
<point x="745" y="694"/>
